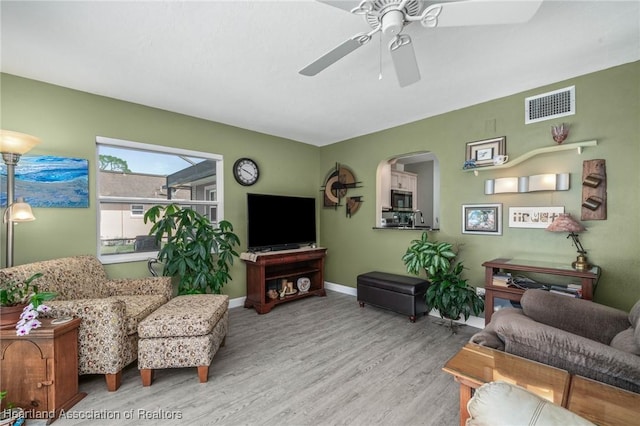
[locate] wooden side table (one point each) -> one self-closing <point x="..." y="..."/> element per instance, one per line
<point x="40" y="370"/>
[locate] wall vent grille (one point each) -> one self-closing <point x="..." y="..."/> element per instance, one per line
<point x="547" y="106"/>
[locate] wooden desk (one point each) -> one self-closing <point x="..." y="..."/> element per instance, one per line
<point x="40" y="370"/>
<point x="476" y="365"/>
<point x="588" y="279"/>
<point x="597" y="402"/>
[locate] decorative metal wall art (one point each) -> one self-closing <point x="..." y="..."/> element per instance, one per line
<point x="339" y="180"/>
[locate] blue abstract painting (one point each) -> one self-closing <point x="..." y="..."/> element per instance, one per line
<point x="49" y="181"/>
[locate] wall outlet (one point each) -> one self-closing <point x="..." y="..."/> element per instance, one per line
<point x="480" y="291"/>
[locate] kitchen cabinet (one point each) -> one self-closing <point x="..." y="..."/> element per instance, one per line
<point x="404" y="180"/>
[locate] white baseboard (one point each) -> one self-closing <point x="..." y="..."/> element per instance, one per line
<point x="339" y="288"/>
<point x="476" y="322"/>
<point x="237" y="302"/>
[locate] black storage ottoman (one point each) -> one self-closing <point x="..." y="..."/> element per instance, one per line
<point x="399" y="293"/>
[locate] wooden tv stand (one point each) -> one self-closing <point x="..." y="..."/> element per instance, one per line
<point x="267" y="270"/>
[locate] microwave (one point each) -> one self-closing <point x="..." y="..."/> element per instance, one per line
<point x="401" y="200"/>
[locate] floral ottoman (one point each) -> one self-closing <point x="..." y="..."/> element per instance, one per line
<point x="185" y="332"/>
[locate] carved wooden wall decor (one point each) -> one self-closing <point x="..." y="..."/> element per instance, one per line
<point x="594" y="190"/>
<point x="338" y="181"/>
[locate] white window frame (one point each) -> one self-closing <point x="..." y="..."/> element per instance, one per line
<point x="143" y="256"/>
<point x="133" y="210"/>
<point x="208" y="191"/>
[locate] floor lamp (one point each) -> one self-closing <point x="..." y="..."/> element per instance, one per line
<point x="12" y="146"/>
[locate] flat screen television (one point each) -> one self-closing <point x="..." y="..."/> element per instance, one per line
<point x="280" y="222"/>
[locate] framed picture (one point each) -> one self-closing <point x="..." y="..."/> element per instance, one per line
<point x="482" y="152"/>
<point x="51" y="181"/>
<point x="533" y="217"/>
<point x="482" y="219"/>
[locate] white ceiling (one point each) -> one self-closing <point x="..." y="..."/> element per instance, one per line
<point x="237" y="62"/>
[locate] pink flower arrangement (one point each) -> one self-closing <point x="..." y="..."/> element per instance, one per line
<point x="29" y="318"/>
<point x="14" y="292"/>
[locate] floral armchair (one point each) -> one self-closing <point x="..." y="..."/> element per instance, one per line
<point x="110" y="309"/>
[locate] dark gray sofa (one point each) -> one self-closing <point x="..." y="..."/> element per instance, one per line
<point x="582" y="337"/>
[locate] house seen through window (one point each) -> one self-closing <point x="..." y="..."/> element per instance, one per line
<point x="132" y="177"/>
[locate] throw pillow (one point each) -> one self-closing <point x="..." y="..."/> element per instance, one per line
<point x="626" y="342"/>
<point x="504" y="404"/>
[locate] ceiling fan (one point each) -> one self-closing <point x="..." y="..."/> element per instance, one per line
<point x="391" y="16"/>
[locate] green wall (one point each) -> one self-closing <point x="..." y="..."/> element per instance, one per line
<point x="608" y="108"/>
<point x="68" y="122"/>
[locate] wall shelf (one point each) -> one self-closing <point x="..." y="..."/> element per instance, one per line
<point x="545" y="150"/>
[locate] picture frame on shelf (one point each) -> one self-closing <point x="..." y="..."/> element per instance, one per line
<point x="533" y="217"/>
<point x="484" y="219"/>
<point x="483" y="151"/>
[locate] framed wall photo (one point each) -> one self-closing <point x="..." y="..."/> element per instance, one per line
<point x="50" y="181"/>
<point x="482" y="219"/>
<point x="533" y="217"/>
<point x="482" y="152"/>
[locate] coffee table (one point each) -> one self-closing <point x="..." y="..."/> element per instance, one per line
<point x="600" y="403"/>
<point x="475" y="365"/>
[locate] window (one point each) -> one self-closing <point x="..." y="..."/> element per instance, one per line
<point x="132" y="177"/>
<point x="137" y="210"/>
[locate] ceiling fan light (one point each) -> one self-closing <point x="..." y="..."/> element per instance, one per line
<point x="392" y="22"/>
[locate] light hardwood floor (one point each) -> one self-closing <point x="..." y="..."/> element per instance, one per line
<point x="315" y="361"/>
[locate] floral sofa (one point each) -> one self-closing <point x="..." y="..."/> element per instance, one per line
<point x="110" y="309"/>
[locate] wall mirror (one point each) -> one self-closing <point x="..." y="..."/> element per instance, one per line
<point x="408" y="192"/>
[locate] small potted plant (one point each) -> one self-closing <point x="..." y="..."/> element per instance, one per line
<point x="21" y="303"/>
<point x="448" y="292"/>
<point x="192" y="248"/>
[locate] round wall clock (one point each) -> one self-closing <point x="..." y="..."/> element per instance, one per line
<point x="246" y="171"/>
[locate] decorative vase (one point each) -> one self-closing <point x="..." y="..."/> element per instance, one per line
<point x="560" y="133"/>
<point x="10" y="315"/>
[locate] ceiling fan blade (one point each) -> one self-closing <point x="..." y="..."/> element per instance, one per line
<point x="341" y="4"/>
<point x="336" y="54"/>
<point x="479" y="12"/>
<point x="404" y="60"/>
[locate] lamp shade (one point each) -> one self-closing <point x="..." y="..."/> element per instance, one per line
<point x="16" y="143"/>
<point x="565" y="223"/>
<point x="21" y="212"/>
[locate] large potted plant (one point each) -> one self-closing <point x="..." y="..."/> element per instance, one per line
<point x="192" y="248"/>
<point x="448" y="292"/>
